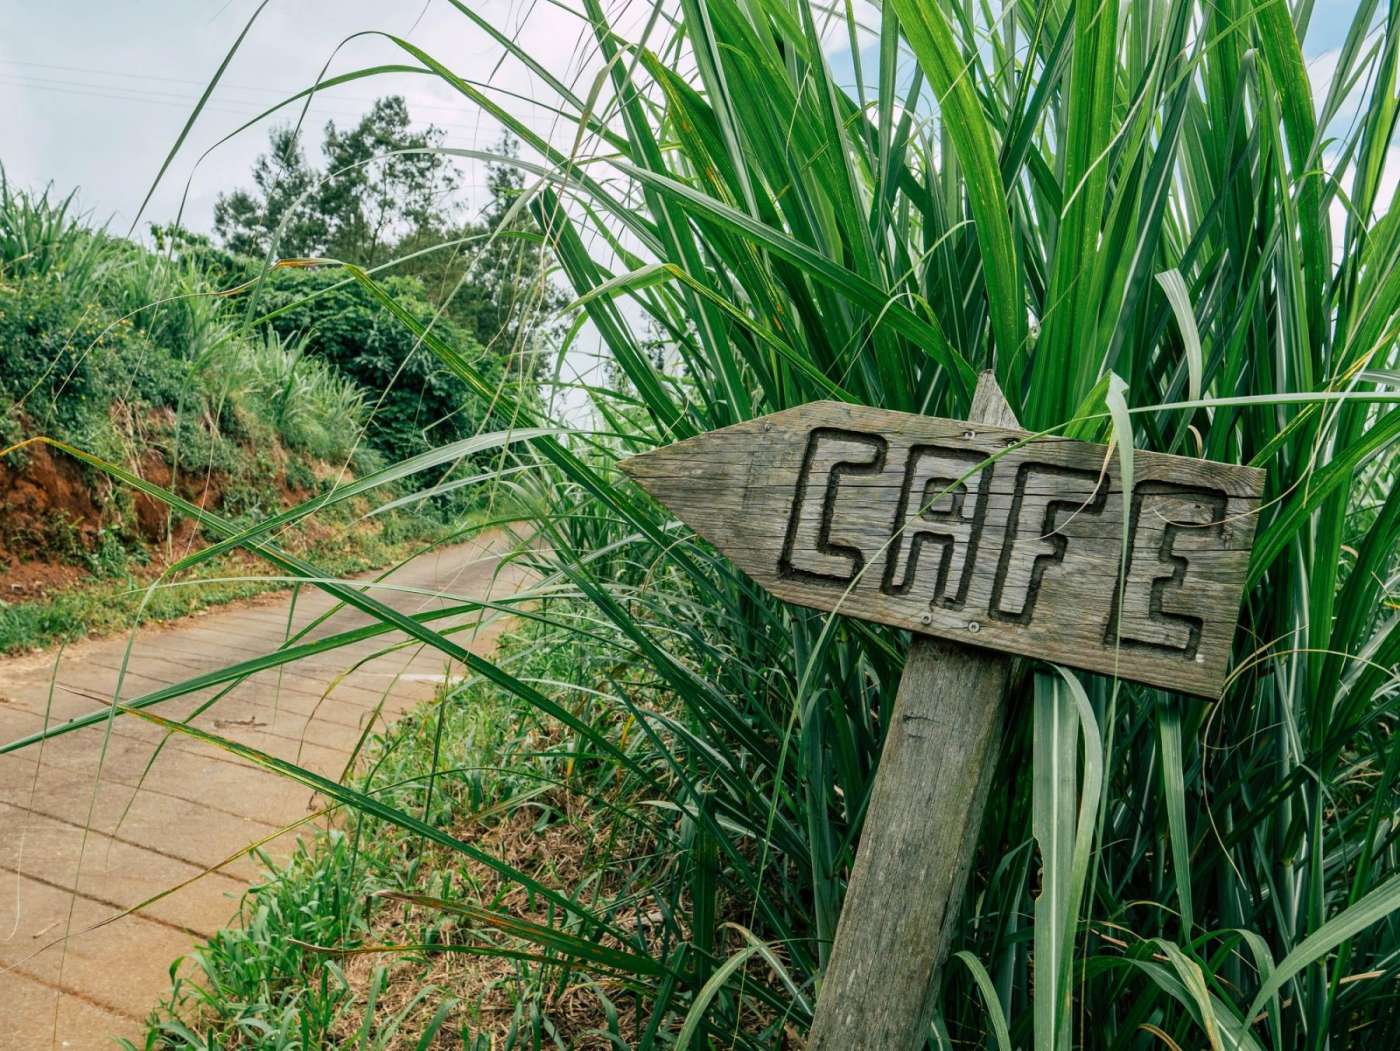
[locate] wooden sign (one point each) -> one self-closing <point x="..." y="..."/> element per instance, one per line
<point x="970" y="532"/>
<point x="961" y="531"/>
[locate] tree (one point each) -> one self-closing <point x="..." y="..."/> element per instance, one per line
<point x="284" y="209"/>
<point x="368" y="203"/>
<point x="384" y="194"/>
<point x="380" y="183"/>
<point x="513" y="270"/>
<point x="497" y="286"/>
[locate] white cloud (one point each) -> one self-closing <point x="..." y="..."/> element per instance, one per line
<point x="101" y="91"/>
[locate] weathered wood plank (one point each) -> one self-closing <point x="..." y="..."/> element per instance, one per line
<point x="973" y="533"/>
<point x="920" y="831"/>
<point x="915" y="850"/>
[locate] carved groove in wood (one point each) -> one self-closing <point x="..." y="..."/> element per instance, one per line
<point x="968" y="532"/>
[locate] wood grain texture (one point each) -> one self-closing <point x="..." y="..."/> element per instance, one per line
<point x="915" y="850"/>
<point x="970" y="532"/>
<point x="920" y="830"/>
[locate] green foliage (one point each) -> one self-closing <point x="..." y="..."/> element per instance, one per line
<point x="382" y="180"/>
<point x="385" y="179"/>
<point x="117" y="382"/>
<point x="417" y="402"/>
<point x="412" y="401"/>
<point x="492" y="275"/>
<point x="146" y="328"/>
<point x="256" y="983"/>
<point x="168" y="300"/>
<point x="1017" y="197"/>
<point x="43" y="236"/>
<point x="312" y="406"/>
<point x="68" y="360"/>
<point x="285" y="208"/>
<point x="385" y="196"/>
<point x="130" y="354"/>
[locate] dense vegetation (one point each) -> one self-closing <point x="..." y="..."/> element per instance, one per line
<point x="388" y="194"/>
<point x="242" y="403"/>
<point x="1140" y="217"/>
<point x="412" y="403"/>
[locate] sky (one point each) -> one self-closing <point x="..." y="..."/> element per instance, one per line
<point x="93" y="95"/>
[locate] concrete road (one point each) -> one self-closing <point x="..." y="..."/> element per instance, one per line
<point x="85" y="835"/>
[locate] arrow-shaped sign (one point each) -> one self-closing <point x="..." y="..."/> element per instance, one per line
<point x="977" y="533"/>
<point x="981" y="534"/>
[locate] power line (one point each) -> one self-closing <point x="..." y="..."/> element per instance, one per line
<point x="95" y="91"/>
<point x="127" y="74"/>
<point x="139" y="94"/>
<point x="235" y="107"/>
<point x="279" y="93"/>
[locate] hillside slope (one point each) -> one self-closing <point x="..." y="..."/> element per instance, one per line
<point x="240" y="395"/>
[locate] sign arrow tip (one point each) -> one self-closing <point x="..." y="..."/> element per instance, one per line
<point x="702" y="480"/>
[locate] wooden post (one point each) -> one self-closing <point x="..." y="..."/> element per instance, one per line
<point x="920" y="831"/>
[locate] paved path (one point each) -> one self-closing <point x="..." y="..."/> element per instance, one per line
<point x="196" y="806"/>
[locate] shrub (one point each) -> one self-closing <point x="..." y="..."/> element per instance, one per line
<point x="417" y="403"/>
<point x="169" y="300"/>
<point x="40" y="236"/>
<point x="67" y="361"/>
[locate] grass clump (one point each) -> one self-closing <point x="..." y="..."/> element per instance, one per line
<point x="308" y="402"/>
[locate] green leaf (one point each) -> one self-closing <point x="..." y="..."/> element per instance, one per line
<point x="931" y="39"/>
<point x="1180" y="301"/>
<point x="1374" y="907"/>
<point x="1174" y="788"/>
<point x="995" y="1014"/>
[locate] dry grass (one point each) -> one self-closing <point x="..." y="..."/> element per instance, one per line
<point x="561" y="840"/>
<point x="487" y="988"/>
